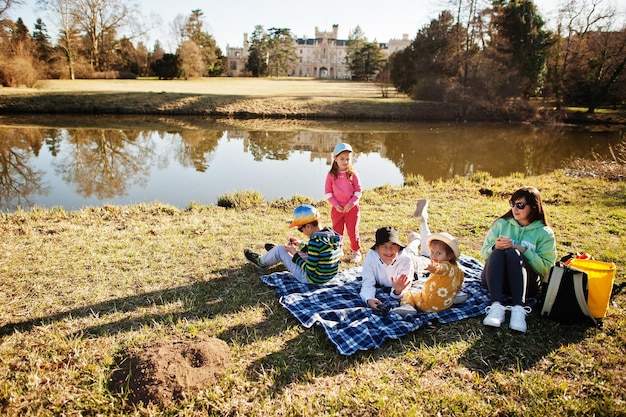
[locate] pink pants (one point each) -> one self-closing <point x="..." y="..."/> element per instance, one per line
<point x="350" y="221"/>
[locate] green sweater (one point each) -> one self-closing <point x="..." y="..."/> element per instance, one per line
<point x="323" y="254"/>
<point x="537" y="238"/>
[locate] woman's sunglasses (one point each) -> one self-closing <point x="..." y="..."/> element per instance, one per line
<point x="519" y="205"/>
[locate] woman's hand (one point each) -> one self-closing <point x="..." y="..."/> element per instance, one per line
<point x="400" y="284"/>
<point x="373" y="303"/>
<point x="503" y="243"/>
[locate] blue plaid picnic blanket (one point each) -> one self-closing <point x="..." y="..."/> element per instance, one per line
<point x="352" y="326"/>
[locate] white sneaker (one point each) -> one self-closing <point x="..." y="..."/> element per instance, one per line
<point x="460" y="297"/>
<point x="405" y="310"/>
<point x="421" y="210"/>
<point x="518" y="318"/>
<point x="495" y="315"/>
<point x="414" y="236"/>
<point x="356" y="257"/>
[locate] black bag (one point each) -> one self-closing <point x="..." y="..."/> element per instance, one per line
<point x="565" y="299"/>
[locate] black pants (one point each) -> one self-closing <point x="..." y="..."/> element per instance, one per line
<point x="506" y="272"/>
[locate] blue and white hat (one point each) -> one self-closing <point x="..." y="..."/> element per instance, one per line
<point x="304" y="214"/>
<point x="341" y="147"/>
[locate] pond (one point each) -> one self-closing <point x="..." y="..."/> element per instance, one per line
<point x="74" y="162"/>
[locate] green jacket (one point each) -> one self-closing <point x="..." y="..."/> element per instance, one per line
<point x="537" y="238"/>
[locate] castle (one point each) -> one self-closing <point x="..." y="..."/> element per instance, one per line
<point x="319" y="57"/>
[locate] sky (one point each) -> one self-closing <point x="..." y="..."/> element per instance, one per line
<point x="228" y="20"/>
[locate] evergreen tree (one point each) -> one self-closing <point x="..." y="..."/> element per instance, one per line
<point x="193" y="30"/>
<point x="282" y="54"/>
<point x="522" y="44"/>
<point x="258" y="52"/>
<point x="167" y="67"/>
<point x="43" y="47"/>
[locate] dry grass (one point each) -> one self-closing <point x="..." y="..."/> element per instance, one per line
<point x="611" y="168"/>
<point x="296" y="98"/>
<point x="79" y="288"/>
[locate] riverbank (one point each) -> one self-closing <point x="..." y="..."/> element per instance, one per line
<point x="90" y="291"/>
<point x="279" y="98"/>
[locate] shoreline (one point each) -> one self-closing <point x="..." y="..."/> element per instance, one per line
<point x="280" y="99"/>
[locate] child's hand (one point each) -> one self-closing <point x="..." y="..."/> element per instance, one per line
<point x="291" y="249"/>
<point x="373" y="303"/>
<point x="432" y="267"/>
<point x="348" y="207"/>
<point x="339" y="209"/>
<point x="294" y="242"/>
<point x="400" y="284"/>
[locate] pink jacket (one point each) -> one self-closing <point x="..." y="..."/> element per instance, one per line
<point x="341" y="190"/>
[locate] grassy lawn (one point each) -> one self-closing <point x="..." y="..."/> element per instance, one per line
<point x="80" y="290"/>
<point x="295" y="98"/>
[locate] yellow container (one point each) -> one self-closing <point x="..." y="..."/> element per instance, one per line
<point x="601" y="276"/>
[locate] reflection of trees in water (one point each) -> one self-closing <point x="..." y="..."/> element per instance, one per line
<point x="440" y="151"/>
<point x="454" y="150"/>
<point x="197" y="147"/>
<point x="18" y="180"/>
<point x="103" y="163"/>
<point x="274" y="145"/>
<point x="277" y="145"/>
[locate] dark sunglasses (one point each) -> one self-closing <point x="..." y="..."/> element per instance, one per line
<point x="301" y="228"/>
<point x="520" y="206"/>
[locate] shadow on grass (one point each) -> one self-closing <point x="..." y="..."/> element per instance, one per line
<point x="506" y="350"/>
<point x="310" y="355"/>
<point x="195" y="301"/>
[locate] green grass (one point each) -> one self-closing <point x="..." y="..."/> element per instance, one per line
<point x="79" y="288"/>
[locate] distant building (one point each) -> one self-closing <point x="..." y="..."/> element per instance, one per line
<point x="320" y="57"/>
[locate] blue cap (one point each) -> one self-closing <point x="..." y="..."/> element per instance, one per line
<point x="341" y="147"/>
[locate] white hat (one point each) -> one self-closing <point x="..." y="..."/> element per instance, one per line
<point x="448" y="239"/>
<point x="341" y="147"/>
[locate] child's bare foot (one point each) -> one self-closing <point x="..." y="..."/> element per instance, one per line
<point x="421" y="210"/>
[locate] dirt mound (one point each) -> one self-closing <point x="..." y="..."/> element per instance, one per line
<point x="166" y="372"/>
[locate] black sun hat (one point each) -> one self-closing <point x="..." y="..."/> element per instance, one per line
<point x="387" y="234"/>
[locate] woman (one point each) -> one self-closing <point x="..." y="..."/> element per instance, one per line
<point x="519" y="250"/>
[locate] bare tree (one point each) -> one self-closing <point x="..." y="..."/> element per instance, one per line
<point x="589" y="56"/>
<point x="63" y="17"/>
<point x="100" y="20"/>
<point x="5" y="5"/>
<point x="191" y="61"/>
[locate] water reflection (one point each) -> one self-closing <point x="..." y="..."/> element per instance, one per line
<point x="180" y="160"/>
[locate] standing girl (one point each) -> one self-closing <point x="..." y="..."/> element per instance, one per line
<point x="343" y="191"/>
<point x="519" y="250"/>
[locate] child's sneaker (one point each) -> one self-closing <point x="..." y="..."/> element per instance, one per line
<point x="254" y="259"/>
<point x="405" y="311"/>
<point x="356" y="257"/>
<point x="460" y="297"/>
<point x="421" y="210"/>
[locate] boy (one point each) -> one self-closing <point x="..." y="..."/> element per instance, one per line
<point x="315" y="262"/>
